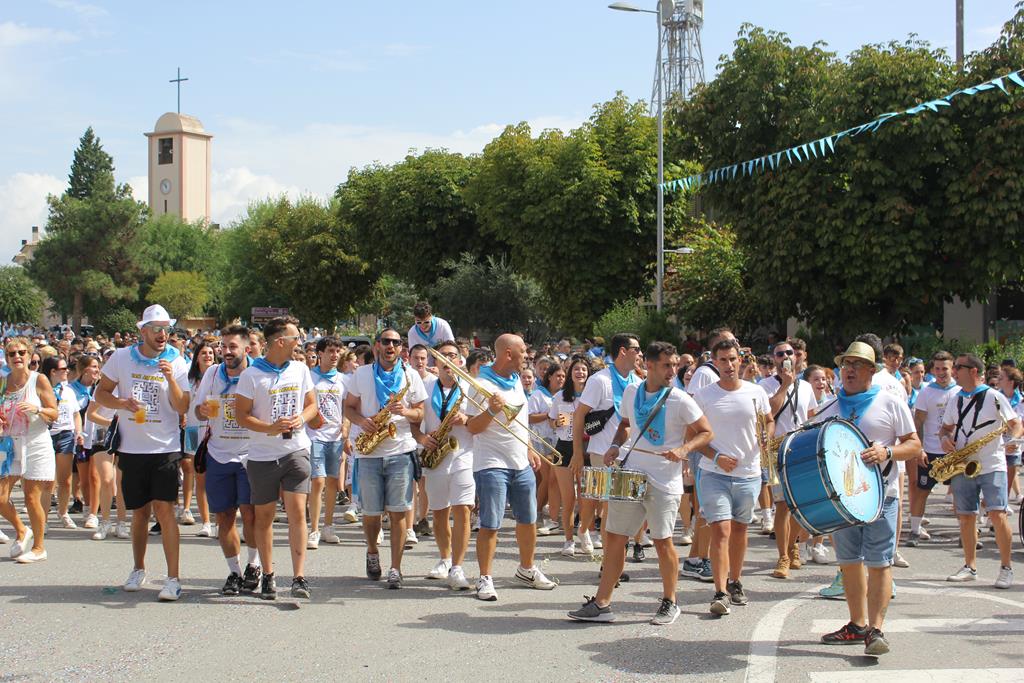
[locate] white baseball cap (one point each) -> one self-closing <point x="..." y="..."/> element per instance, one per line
<point x="155" y="314"/>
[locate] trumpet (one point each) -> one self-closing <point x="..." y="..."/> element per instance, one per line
<point x="767" y="445"/>
<point x="509" y="411"/>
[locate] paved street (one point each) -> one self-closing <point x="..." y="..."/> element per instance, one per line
<point x="68" y="619"/>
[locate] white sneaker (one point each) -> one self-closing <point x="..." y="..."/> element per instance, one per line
<point x="410" y="537"/>
<point x="68" y="522"/>
<point x="102" y="531"/>
<point x="4" y="538"/>
<point x="899" y="561"/>
<point x="646" y="541"/>
<point x="206" y="531"/>
<point x="1005" y="579"/>
<point x="380" y="537"/>
<point x="328" y="535"/>
<point x="350" y="516"/>
<point x="586" y="544"/>
<point x="569" y="548"/>
<point x="171" y="591"/>
<point x="925" y="521"/>
<point x="767" y="524"/>
<point x="544" y="529"/>
<point x="457" y="579"/>
<point x="687" y="537"/>
<point x="187" y="519"/>
<point x="598" y="543"/>
<point x="32" y="556"/>
<point x="534" y="578"/>
<point x="135" y="581"/>
<point x="474" y="523"/>
<point x="385" y="522"/>
<point x="923" y="535"/>
<point x="313" y="541"/>
<point x="91" y="521"/>
<point x="965" y="573"/>
<point x="24" y="545"/>
<point x="440" y="570"/>
<point x="215" y="531"/>
<point x="485" y="589"/>
<point x="819" y="554"/>
<point x="123" y="530"/>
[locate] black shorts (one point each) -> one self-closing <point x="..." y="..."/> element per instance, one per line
<point x="924" y="480"/>
<point x="148" y="477"/>
<point x="564" y="449"/>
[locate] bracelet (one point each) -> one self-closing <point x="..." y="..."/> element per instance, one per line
<point x="888" y="452"/>
<point x="616" y="446"/>
<point x="715" y="459"/>
<point x="492" y="414"/>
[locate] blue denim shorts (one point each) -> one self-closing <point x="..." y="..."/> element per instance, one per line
<point x="227" y="486"/>
<point x="325" y="459"/>
<point x="63" y="442"/>
<point x="873" y="544"/>
<point x="497" y="485"/>
<point x="991" y="487"/>
<point x="727" y="498"/>
<point x="1013" y="459"/>
<point x="385" y="484"/>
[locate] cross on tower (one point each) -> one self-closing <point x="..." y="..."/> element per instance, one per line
<point x="179" y="81"/>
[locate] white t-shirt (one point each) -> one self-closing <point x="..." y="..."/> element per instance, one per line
<point x="275" y="396"/>
<point x="146" y="384"/>
<point x="597" y="394"/>
<point x="680" y="411"/>
<point x="462" y="458"/>
<point x="888" y="382"/>
<point x="732" y="418"/>
<point x="67" y="406"/>
<point x="229" y="442"/>
<point x="330" y="396"/>
<point x="993" y="406"/>
<point x="704" y="375"/>
<point x="362" y="385"/>
<point x="886" y="419"/>
<point x="442" y="332"/>
<point x="932" y="402"/>
<point x="795" y="411"/>
<point x="191" y="420"/>
<point x="539" y="403"/>
<point x="495" y="447"/>
<point x="558" y="406"/>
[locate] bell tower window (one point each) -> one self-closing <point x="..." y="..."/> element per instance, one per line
<point x="165" y="151"/>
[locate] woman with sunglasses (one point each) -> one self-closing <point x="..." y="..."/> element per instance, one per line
<point x="203" y="358"/>
<point x="27" y="405"/>
<point x="33" y="364"/>
<point x="87" y="373"/>
<point x="65" y="431"/>
<point x="566" y="390"/>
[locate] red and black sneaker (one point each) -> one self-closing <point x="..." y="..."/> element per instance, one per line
<point x="850" y="634"/>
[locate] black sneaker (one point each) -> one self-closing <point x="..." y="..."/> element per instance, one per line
<point x="422" y="527"/>
<point x="875" y="643"/>
<point x="849" y="634"/>
<point x="342" y="498"/>
<point x="667" y="613"/>
<point x="155" y="529"/>
<point x="591" y="612"/>
<point x="373" y="567"/>
<point x="736" y="594"/>
<point x="623" y="577"/>
<point x="268" y="591"/>
<point x="638" y="553"/>
<point x="76" y="507"/>
<point x="233" y="585"/>
<point x="300" y="589"/>
<point x="251" y="578"/>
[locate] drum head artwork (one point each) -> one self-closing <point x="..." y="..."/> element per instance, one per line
<point x="858" y="486"/>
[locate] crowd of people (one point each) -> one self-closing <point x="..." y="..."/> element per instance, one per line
<point x="425" y="434"/>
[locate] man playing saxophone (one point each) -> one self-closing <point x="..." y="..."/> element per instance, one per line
<point x="970" y="418"/>
<point x="385" y="466"/>
<point x="448" y="467"/>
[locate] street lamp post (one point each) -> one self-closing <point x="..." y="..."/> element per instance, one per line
<point x="665" y="9"/>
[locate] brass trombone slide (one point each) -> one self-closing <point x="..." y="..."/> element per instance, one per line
<point x="509" y="410"/>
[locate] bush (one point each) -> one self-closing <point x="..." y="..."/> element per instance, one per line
<point x="646" y="323"/>
<point x="117" y="320"/>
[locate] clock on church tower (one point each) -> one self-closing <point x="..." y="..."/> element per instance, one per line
<point x="179" y="167"/>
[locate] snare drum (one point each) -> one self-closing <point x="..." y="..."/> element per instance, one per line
<point x="613" y="483"/>
<point x="826" y="484"/>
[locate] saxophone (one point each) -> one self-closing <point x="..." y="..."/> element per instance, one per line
<point x="366" y="442"/>
<point x="768" y="446"/>
<point x="952" y="464"/>
<point x="446" y="443"/>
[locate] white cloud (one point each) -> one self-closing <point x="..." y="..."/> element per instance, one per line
<point x="82" y="9"/>
<point x="17" y="35"/>
<point x="234" y="189"/>
<point x="22" y="205"/>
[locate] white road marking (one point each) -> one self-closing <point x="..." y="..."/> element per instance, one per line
<point x="953" y="626"/>
<point x="918" y="676"/>
<point x="764" y="641"/>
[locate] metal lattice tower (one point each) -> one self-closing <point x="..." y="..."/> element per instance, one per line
<point x="682" y="58"/>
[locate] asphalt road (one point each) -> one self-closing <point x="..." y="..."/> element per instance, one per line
<point x="67" y="619"/>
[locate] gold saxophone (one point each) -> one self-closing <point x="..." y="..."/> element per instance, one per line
<point x="952" y="464"/>
<point x="768" y="446"/>
<point x="366" y="442"/>
<point x="446" y="443"/>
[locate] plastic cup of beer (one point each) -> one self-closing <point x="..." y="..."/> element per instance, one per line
<point x="139" y="416"/>
<point x="212" y="407"/>
<point x="564" y="419"/>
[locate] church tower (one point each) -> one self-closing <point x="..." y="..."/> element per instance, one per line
<point x="179" y="167"/>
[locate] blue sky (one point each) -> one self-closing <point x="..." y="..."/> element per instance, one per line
<point x="297" y="93"/>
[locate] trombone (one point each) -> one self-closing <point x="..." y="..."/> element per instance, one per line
<point x="510" y="411"/>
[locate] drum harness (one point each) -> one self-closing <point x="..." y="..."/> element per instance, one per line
<point x="977" y="402"/>
<point x="650" y="418"/>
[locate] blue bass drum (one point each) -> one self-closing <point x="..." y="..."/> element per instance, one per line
<point x="826" y="484"/>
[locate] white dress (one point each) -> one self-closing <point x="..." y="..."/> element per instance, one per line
<point x="34" y="457"/>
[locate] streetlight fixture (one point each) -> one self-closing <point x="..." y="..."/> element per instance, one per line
<point x="665" y="9"/>
<point x="681" y="250"/>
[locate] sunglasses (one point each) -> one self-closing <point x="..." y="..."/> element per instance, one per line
<point x="783" y="354"/>
<point x="390" y="342"/>
<point x="422" y="322"/>
<point x="450" y="356"/>
<point x="61" y="369"/>
<point x="287" y="336"/>
<point x="855" y="364"/>
<point x="632" y="348"/>
<point x="158" y="328"/>
<point x="33" y="364"/>
<point x="18" y="352"/>
<point x="960" y="366"/>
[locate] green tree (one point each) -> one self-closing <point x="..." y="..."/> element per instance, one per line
<point x="183" y="293"/>
<point x="488" y="297"/>
<point x="167" y="243"/>
<point x="643" y="321"/>
<point x="391" y="301"/>
<point x="92" y="169"/>
<point x="415" y="204"/>
<point x="119" y="319"/>
<point x="20" y="299"/>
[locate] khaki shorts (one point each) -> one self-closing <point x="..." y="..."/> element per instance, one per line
<point x="658" y="508"/>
